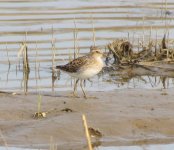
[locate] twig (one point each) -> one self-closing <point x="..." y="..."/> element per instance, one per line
<point x="39" y="101"/>
<point x="76" y="49"/>
<point x="93" y="31"/>
<point x="53" y="48"/>
<point x="9" y="64"/>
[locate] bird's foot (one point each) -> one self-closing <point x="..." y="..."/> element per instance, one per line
<point x="90" y="97"/>
<point x="90" y="80"/>
<point x="73" y="95"/>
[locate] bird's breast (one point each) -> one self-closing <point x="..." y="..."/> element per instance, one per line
<point x="91" y="70"/>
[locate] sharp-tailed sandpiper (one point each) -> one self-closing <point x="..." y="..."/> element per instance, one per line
<point x="84" y="67"/>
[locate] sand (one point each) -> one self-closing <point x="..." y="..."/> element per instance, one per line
<point x="124" y="117"/>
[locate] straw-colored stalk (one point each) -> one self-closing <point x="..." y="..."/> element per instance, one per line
<point x="76" y="47"/>
<point x="133" y="39"/>
<point x="53" y="48"/>
<point x="93" y="31"/>
<point x="25" y="59"/>
<point x="36" y="67"/>
<point x="8" y="56"/>
<point x="156" y="42"/>
<point x="87" y="132"/>
<point x="9" y="64"/>
<point x="26" y="70"/>
<point x="25" y="54"/>
<point x="39" y="101"/>
<point x="138" y="44"/>
<point x="53" y="57"/>
<point x="36" y="49"/>
<point x="150" y="36"/>
<point x="143" y="33"/>
<point x="167" y="24"/>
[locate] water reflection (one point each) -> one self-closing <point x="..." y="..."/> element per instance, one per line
<point x="110" y="20"/>
<point x="139" y="77"/>
<point x="142" y="147"/>
<point x="15" y="148"/>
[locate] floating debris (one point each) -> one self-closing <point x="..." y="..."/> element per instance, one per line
<point x="67" y="110"/>
<point x="94" y="133"/>
<point x="39" y="115"/>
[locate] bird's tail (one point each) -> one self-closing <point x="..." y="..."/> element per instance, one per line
<point x="62" y="67"/>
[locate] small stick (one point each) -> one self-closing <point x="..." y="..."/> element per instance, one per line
<point x="39" y="101"/>
<point x="75" y="40"/>
<point x="133" y="39"/>
<point x="156" y="42"/>
<point x="53" y="48"/>
<point x="53" y="57"/>
<point x="8" y="55"/>
<point x="143" y="33"/>
<point x="150" y="36"/>
<point x="87" y="132"/>
<point x="138" y="44"/>
<point x="9" y="64"/>
<point x="93" y="31"/>
<point x="36" y="67"/>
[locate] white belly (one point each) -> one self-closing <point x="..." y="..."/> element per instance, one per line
<point x="89" y="70"/>
<point x="88" y="73"/>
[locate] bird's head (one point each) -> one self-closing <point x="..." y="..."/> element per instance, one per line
<point x="96" y="52"/>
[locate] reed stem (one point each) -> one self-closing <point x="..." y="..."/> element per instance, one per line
<point x="87" y="132"/>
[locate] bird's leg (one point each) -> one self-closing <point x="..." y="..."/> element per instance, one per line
<point x="81" y="85"/>
<point x="90" y="80"/>
<point x="75" y="88"/>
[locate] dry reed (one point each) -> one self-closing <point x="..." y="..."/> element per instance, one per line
<point x="87" y="132"/>
<point x="93" y="31"/>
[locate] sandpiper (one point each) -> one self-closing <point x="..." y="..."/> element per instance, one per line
<point x="84" y="67"/>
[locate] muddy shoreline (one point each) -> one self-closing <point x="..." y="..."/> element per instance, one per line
<point x="124" y="117"/>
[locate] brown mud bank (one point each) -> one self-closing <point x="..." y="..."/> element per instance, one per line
<point x="124" y="117"/>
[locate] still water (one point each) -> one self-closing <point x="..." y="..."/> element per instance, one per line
<point x="144" y="147"/>
<point x="50" y="27"/>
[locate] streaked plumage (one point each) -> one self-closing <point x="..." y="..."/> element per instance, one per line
<point x="84" y="67"/>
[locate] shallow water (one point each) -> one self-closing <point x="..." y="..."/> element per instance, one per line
<point x="144" y="147"/>
<point x="14" y="148"/>
<point x="40" y="22"/>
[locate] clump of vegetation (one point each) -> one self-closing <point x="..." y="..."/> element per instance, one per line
<point x="124" y="52"/>
<point x="26" y="68"/>
<point x="39" y="114"/>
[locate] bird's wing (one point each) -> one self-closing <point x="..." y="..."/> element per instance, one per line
<point x="74" y="65"/>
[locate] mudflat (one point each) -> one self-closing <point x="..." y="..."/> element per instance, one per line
<point x="124" y="117"/>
